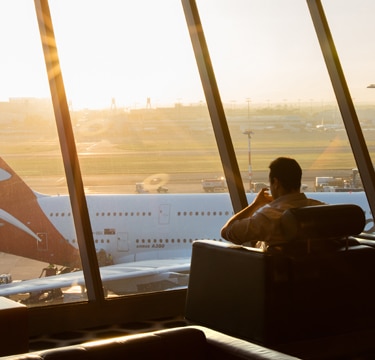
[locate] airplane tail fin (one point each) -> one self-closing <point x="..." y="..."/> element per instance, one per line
<point x="25" y="229"/>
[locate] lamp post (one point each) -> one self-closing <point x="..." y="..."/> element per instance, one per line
<point x="249" y="133"/>
<point x="248" y="108"/>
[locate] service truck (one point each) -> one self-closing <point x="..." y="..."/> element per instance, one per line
<point x="214" y="185"/>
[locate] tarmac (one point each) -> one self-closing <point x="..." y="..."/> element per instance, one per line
<point x="19" y="267"/>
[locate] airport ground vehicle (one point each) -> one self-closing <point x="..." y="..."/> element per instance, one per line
<point x="140" y="188"/>
<point x="339" y="184"/>
<point x="162" y="189"/>
<point x="257" y="186"/>
<point x="214" y="185"/>
<point x="5" y="279"/>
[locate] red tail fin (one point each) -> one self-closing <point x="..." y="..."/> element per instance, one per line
<point x="24" y="228"/>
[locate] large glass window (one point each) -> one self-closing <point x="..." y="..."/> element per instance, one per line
<point x="143" y="136"/>
<point x="151" y="169"/>
<point x="37" y="234"/>
<point x="278" y="96"/>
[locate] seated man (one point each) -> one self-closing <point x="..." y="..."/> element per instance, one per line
<point x="259" y="223"/>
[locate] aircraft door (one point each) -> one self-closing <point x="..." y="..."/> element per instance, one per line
<point x="122" y="241"/>
<point x="164" y="214"/>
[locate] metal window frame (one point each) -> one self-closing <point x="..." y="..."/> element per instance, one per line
<point x="215" y="106"/>
<point x="73" y="174"/>
<point x="344" y="100"/>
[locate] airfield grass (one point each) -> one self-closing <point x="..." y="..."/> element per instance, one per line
<point x="191" y="153"/>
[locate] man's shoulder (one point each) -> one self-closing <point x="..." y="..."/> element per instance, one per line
<point x="294" y="200"/>
<point x="270" y="211"/>
<point x="312" y="202"/>
<point x="288" y="199"/>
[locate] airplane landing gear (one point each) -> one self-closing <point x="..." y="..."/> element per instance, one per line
<point x="38" y="297"/>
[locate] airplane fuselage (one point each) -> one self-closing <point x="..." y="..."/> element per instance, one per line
<point x="128" y="228"/>
<point x="141" y="227"/>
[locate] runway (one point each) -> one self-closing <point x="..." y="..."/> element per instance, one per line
<point x="183" y="183"/>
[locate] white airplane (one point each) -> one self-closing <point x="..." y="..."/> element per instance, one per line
<point x="143" y="241"/>
<point x="326" y="127"/>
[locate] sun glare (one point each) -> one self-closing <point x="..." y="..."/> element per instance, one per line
<point x="132" y="51"/>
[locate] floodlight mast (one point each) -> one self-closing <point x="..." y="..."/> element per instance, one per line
<point x="249" y="133"/>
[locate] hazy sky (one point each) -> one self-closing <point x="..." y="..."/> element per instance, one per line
<point x="264" y="50"/>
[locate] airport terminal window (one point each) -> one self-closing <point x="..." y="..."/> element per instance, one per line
<point x="142" y="128"/>
<point x="31" y="165"/>
<point x="285" y="104"/>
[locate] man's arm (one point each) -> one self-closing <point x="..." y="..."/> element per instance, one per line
<point x="261" y="199"/>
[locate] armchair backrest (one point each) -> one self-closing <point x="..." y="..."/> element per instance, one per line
<point x="322" y="222"/>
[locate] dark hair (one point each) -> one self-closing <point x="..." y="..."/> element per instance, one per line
<point x="287" y="171"/>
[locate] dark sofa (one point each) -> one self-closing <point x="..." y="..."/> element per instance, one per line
<point x="190" y="342"/>
<point x="317" y="284"/>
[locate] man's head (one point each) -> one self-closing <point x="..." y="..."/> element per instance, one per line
<point x="285" y="176"/>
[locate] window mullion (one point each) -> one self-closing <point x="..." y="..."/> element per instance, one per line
<point x="69" y="154"/>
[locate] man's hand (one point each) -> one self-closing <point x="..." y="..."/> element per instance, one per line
<point x="263" y="198"/>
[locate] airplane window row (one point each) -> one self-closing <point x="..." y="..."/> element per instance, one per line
<point x="102" y="241"/>
<point x="164" y="240"/>
<point x="179" y="213"/>
<point x="203" y="213"/>
<point x="105" y="214"/>
<point x="58" y="214"/>
<point x="124" y="214"/>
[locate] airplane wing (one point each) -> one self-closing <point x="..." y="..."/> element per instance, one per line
<point x="125" y="278"/>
